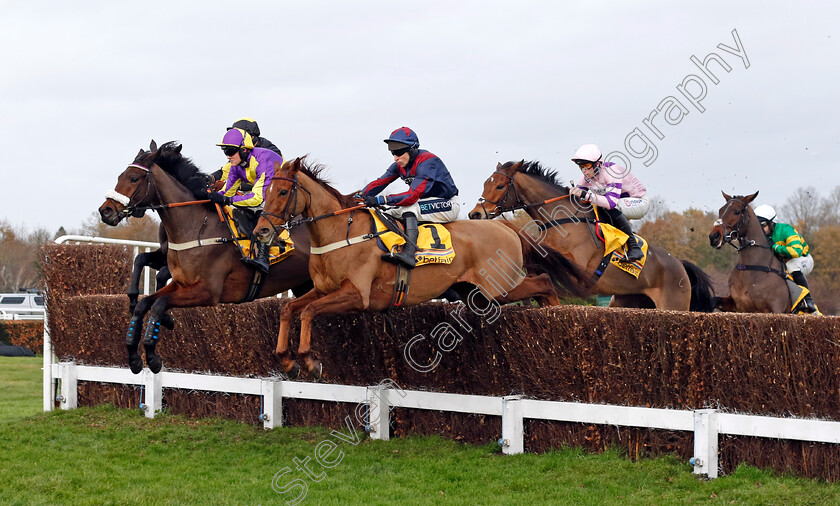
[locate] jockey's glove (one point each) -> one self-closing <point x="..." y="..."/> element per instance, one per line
<point x="372" y="201"/>
<point x="218" y="198"/>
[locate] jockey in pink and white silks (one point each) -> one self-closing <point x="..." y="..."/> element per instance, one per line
<point x="613" y="188"/>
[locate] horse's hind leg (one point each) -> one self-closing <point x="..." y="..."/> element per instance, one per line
<point x="161" y="278"/>
<point x="539" y="287"/>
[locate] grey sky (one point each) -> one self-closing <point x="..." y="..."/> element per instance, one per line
<point x="85" y="85"/>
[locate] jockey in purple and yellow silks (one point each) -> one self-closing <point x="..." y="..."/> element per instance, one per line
<point x="430" y="196"/>
<point x="251" y="165"/>
<point x="612" y="187"/>
<point x="253" y="129"/>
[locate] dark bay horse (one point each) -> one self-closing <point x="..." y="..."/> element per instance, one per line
<point x="204" y="264"/>
<point x="349" y="274"/>
<point x="666" y="282"/>
<point x="757" y="284"/>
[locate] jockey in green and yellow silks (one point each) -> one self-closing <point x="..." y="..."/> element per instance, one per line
<point x="788" y="245"/>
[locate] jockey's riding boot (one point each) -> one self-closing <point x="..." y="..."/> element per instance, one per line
<point x="406" y="256"/>
<point x="261" y="262"/>
<point x="634" y="252"/>
<point x="807" y="303"/>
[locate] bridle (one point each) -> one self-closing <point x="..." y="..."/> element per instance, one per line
<point x="128" y="209"/>
<point x="520" y="202"/>
<point x="735" y="232"/>
<point x="499" y="210"/>
<point x="291" y="204"/>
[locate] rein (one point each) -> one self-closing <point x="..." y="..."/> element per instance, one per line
<point x="519" y="202"/>
<point x="289" y="224"/>
<point x="294" y="223"/>
<point x="126" y="201"/>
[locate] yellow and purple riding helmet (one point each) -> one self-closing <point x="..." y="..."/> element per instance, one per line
<point x="237" y="139"/>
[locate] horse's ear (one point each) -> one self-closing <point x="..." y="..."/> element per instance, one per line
<point x="140" y="153"/>
<point x="498" y="165"/>
<point x="725" y="196"/>
<point x="153" y="146"/>
<point x="178" y="148"/>
<point x="750" y="198"/>
<point x="295" y="166"/>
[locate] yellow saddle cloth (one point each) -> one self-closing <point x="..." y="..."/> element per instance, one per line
<point x="434" y="244"/>
<point x="615" y="242"/>
<point x="797" y="293"/>
<point x="275" y="254"/>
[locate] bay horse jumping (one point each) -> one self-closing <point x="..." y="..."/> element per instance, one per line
<point x="757" y="283"/>
<point x="349" y="274"/>
<point x="664" y="283"/>
<point x="203" y="273"/>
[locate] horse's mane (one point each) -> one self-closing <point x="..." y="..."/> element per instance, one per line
<point x="169" y="158"/>
<point x="313" y="170"/>
<point x="544" y="174"/>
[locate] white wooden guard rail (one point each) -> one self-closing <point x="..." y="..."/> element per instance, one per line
<point x="706" y="424"/>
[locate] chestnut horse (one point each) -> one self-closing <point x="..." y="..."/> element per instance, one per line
<point x="203" y="274"/>
<point x="349" y="274"/>
<point x="757" y="284"/>
<point x="569" y="228"/>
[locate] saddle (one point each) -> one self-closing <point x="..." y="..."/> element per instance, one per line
<point x="239" y="219"/>
<point x="615" y="250"/>
<point x="434" y="243"/>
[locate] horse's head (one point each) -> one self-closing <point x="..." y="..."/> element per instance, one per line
<point x="499" y="193"/>
<point x="281" y="200"/>
<point x="733" y="220"/>
<point x="132" y="191"/>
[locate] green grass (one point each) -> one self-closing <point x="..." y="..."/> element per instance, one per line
<point x="20" y="387"/>
<point x="105" y="455"/>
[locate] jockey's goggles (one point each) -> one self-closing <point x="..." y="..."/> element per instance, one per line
<point x="230" y="150"/>
<point x="401" y="151"/>
<point x="584" y="165"/>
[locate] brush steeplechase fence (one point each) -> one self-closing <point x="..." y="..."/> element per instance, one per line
<point x="594" y="377"/>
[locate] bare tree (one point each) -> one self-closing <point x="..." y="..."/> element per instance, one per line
<point x="802" y="210"/>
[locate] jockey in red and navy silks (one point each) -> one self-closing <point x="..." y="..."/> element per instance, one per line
<point x="611" y="187"/>
<point x="431" y="194"/>
<point x="247" y="164"/>
<point x="426" y="176"/>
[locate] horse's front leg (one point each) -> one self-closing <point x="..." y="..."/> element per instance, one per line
<point x="155" y="260"/>
<point x="135" y="332"/>
<point x="288" y="312"/>
<point x="346" y="298"/>
<point x="172" y="295"/>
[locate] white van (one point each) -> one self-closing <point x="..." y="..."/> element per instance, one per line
<point x="21" y="306"/>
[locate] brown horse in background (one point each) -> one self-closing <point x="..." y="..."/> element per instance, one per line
<point x="353" y="277"/>
<point x="203" y="274"/>
<point x="568" y="227"/>
<point x="757" y="284"/>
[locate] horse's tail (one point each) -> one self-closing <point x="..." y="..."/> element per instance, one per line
<point x="702" y="294"/>
<point x="567" y="277"/>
